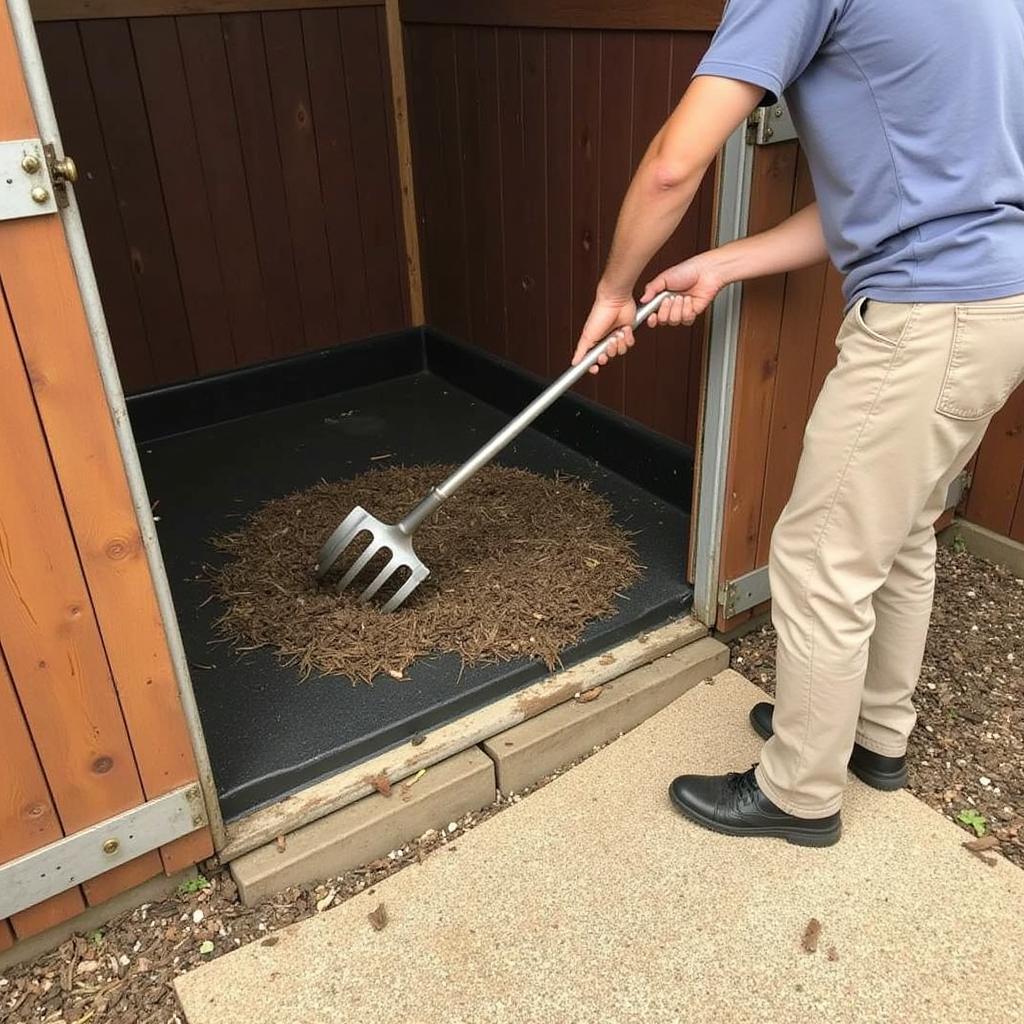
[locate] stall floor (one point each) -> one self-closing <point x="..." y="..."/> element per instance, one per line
<point x="270" y="733"/>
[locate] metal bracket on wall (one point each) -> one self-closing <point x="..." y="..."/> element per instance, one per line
<point x="76" y="858"/>
<point x="25" y="186"/>
<point x="770" y="124"/>
<point x="747" y="592"/>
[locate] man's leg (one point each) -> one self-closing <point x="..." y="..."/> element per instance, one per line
<point x="877" y="454"/>
<point x="903" y="608"/>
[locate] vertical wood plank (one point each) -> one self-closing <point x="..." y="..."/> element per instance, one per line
<point x="342" y="201"/>
<point x="644" y="379"/>
<point x="403" y="153"/>
<point x="6" y="936"/>
<point x="216" y="129"/>
<point x="616" y="87"/>
<point x="586" y="181"/>
<point x="522" y="146"/>
<point x="829" y="322"/>
<point x="760" y="324"/>
<point x="995" y="490"/>
<point x="1017" y="526"/>
<point x="264" y="176"/>
<point x="176" y="147"/>
<point x="367" y="87"/>
<point x="50" y="634"/>
<point x="533" y="281"/>
<point x="82" y="136"/>
<point x="562" y="331"/>
<point x="482" y="197"/>
<point x="797" y="343"/>
<point x="489" y="222"/>
<point x="111" y="62"/>
<point x="28" y="818"/>
<point x="290" y="93"/>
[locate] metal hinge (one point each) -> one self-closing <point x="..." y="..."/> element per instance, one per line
<point x="76" y="858"/>
<point x="746" y="592"/>
<point x="33" y="181"/>
<point x="771" y="124"/>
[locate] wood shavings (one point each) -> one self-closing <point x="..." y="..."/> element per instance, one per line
<point x="510" y="543"/>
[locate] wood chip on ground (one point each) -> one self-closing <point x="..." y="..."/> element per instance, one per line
<point x="519" y="562"/>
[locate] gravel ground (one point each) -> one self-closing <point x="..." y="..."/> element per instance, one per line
<point x="123" y="973"/>
<point x="966" y="756"/>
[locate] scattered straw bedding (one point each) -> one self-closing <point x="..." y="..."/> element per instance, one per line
<point x="520" y="563"/>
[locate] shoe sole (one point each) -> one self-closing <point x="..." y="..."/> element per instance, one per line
<point x="793" y="836"/>
<point x="885" y="783"/>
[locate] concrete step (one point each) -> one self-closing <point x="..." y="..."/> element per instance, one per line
<point x="592" y="900"/>
<point x="535" y="748"/>
<point x="375" y="825"/>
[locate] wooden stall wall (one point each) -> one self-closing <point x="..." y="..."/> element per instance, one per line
<point x="525" y="133"/>
<point x="90" y="715"/>
<point x="238" y="176"/>
<point x="996" y="497"/>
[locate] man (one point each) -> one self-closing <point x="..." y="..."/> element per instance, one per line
<point x="911" y="115"/>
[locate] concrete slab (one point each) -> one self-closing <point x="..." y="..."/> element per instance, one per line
<point x="594" y="901"/>
<point x="528" y="752"/>
<point x="369" y="828"/>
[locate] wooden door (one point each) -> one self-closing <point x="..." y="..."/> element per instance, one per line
<point x="89" y="705"/>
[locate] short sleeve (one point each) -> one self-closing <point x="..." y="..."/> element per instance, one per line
<point x="769" y="42"/>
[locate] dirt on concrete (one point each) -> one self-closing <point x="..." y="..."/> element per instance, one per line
<point x="966" y="755"/>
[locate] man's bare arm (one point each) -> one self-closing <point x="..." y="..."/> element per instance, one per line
<point x="796" y="242"/>
<point x="661" y="192"/>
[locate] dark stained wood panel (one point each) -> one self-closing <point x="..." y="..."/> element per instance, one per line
<point x="552" y="123"/>
<point x="996" y="499"/>
<point x="688" y="15"/>
<point x="239" y="187"/>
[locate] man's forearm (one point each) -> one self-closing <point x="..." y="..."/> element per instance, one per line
<point x="657" y="200"/>
<point x="795" y="243"/>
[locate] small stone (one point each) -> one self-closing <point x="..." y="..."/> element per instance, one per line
<point x="452" y="826"/>
<point x="197" y="916"/>
<point x="1006" y="813"/>
<point x="985" y="780"/>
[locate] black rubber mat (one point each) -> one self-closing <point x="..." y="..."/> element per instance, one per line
<point x="268" y="733"/>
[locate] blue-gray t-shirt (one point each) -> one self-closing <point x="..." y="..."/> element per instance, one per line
<point x="911" y="113"/>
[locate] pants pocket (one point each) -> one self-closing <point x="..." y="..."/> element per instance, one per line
<point x="886" y="322"/>
<point x="986" y="361"/>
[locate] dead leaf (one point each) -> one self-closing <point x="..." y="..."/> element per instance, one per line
<point x="378" y="918"/>
<point x="87" y="967"/>
<point x="809" y="942"/>
<point x="322" y="905"/>
<point x="380" y="782"/>
<point x="606" y="659"/>
<point x="282" y="844"/>
<point x="588" y="695"/>
<point x="989" y="842"/>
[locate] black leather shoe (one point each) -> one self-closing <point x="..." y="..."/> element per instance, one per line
<point x="734" y="805"/>
<point x="877" y="770"/>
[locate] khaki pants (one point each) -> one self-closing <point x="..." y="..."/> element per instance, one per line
<point x="853" y="555"/>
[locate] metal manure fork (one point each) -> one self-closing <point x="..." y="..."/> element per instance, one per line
<point x="397" y="538"/>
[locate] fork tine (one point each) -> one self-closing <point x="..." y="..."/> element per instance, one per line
<point x="419" y="574"/>
<point x="392" y="566"/>
<point x="360" y="563"/>
<point x="339" y="540"/>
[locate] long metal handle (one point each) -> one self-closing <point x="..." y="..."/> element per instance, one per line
<point x="516" y="426"/>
